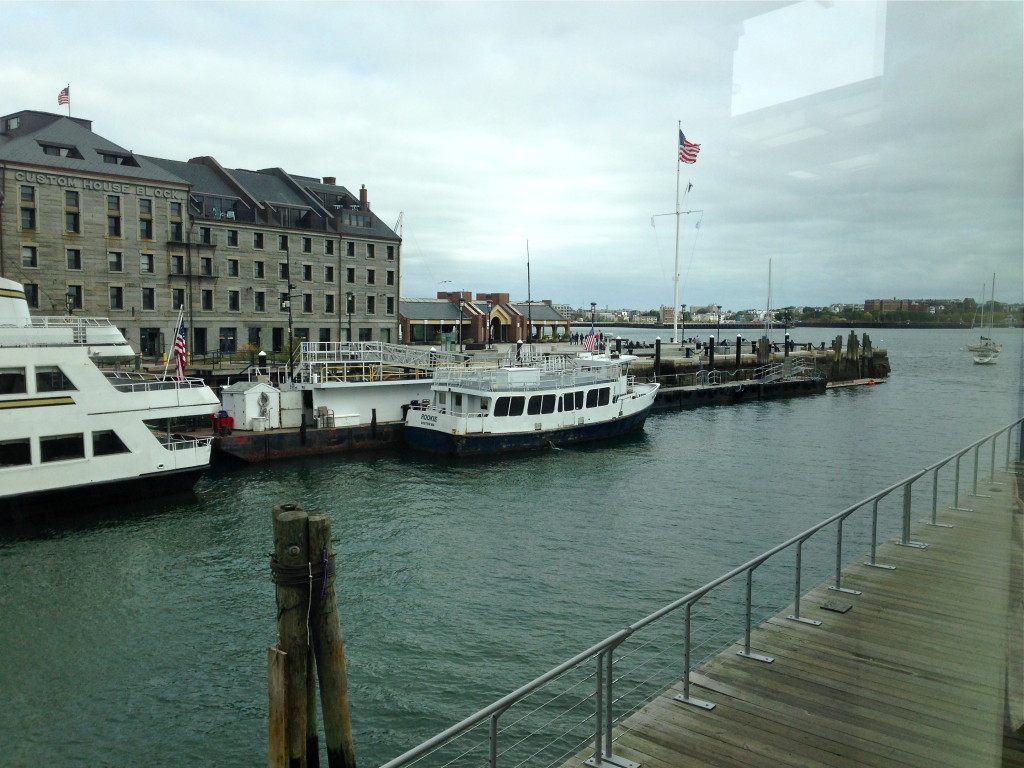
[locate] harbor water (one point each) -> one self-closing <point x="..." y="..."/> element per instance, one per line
<point x="138" y="635"/>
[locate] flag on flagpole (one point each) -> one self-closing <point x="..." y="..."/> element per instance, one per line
<point x="180" y="351"/>
<point x="589" y="342"/>
<point x="687" y="150"/>
<point x="64" y="97"/>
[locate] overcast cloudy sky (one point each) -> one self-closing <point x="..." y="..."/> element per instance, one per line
<point x="866" y="150"/>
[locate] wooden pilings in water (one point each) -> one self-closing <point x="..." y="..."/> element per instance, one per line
<point x="309" y="631"/>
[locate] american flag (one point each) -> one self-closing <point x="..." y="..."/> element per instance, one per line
<point x="589" y="342"/>
<point x="687" y="150"/>
<point x="64" y="97"/>
<point x="180" y="352"/>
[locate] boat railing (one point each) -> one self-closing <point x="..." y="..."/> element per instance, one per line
<point x="66" y="330"/>
<point x="176" y="442"/>
<point x="317" y="353"/>
<point x="128" y="381"/>
<point x="573" y="708"/>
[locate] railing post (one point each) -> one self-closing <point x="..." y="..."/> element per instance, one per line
<point x="992" y="470"/>
<point x="956" y="488"/>
<point x="874" y="540"/>
<point x="746" y="634"/>
<point x="975" y="493"/>
<point x="838" y="586"/>
<point x="905" y="537"/>
<point x="603" y="716"/>
<point x="492" y="737"/>
<point x="684" y="697"/>
<point x="795" y="616"/>
<point x="935" y="500"/>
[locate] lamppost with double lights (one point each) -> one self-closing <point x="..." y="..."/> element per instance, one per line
<point x="593" y="315"/>
<point x="489" y="345"/>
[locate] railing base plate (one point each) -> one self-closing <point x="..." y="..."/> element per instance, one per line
<point x="847" y="591"/>
<point x="802" y="620"/>
<point x="756" y="657"/>
<point x="961" y="509"/>
<point x="610" y="760"/>
<point x="881" y="565"/>
<point x="914" y="544"/>
<point x="937" y="525"/>
<point x="695" y="702"/>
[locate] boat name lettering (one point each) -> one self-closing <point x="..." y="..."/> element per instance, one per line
<point x="96" y="184"/>
<point x="428" y="417"/>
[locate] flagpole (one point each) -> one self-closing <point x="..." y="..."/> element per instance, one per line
<point x="675" y="271"/>
<point x="167" y="357"/>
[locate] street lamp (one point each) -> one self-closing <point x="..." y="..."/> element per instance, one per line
<point x="349" y="301"/>
<point x="489" y="324"/>
<point x="718" y="332"/>
<point x="286" y="303"/>
<point x="462" y="302"/>
<point x="593" y="314"/>
<point x="682" y="323"/>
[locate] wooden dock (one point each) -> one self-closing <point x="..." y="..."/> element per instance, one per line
<point x="924" y="669"/>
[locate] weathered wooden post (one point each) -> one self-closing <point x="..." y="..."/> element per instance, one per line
<point x="739" y="342"/>
<point x="711" y="351"/>
<point x="277" y="714"/>
<point x="329" y="649"/>
<point x="291" y="554"/>
<point x="657" y="358"/>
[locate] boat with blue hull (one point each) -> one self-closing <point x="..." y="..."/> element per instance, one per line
<point x="529" y="403"/>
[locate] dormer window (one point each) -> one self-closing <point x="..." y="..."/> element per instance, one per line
<point x="117" y="158"/>
<point x="60" y="150"/>
<point x="12" y="123"/>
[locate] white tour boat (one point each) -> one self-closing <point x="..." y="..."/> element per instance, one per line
<point x="529" y="403"/>
<point x="76" y="437"/>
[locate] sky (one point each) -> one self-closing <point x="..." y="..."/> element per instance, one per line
<point x="850" y="150"/>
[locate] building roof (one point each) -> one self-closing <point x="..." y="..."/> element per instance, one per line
<point x="79" y="149"/>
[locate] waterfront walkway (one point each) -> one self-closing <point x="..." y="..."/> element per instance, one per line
<point x="923" y="669"/>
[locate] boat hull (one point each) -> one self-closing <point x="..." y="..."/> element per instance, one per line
<point x="92" y="497"/>
<point x="479" y="444"/>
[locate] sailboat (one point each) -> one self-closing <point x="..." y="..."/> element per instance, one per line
<point x="986" y="351"/>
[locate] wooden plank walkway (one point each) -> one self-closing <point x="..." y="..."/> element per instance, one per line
<point x="915" y="674"/>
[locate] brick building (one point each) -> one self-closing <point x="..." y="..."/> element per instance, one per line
<point x="94" y="229"/>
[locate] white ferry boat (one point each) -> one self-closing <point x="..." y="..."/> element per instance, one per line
<point x="76" y="437"/>
<point x="525" y="404"/>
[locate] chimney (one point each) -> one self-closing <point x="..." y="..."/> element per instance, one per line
<point x="330" y="180"/>
<point x="363" y="204"/>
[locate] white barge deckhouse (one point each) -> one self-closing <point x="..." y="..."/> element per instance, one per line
<point x="75" y="437"/>
<point x="527" y="403"/>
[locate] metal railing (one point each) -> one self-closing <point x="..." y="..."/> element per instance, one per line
<point x="579" y="702"/>
<point x="125" y="381"/>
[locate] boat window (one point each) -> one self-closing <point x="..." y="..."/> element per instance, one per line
<point x="509" y="406"/>
<point x="549" y="404"/>
<point x="567" y="401"/>
<point x="456" y="400"/>
<point x="442" y="398"/>
<point x="501" y="406"/>
<point x="52" y="379"/>
<point x="591" y="398"/>
<point x="604" y="396"/>
<point x="61" y="447"/>
<point x="15" y="452"/>
<point x="533" y="408"/>
<point x="107" y="443"/>
<point x="12" y="381"/>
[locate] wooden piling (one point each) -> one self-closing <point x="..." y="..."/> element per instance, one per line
<point x="329" y="649"/>
<point x="291" y="550"/>
<point x="277" y="714"/>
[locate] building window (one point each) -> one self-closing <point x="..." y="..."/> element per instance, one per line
<point x="329" y="303"/>
<point x="32" y="295"/>
<point x="177" y="231"/>
<point x="282" y="270"/>
<point x="177" y="298"/>
<point x="205" y="235"/>
<point x="307" y="302"/>
<point x="146" y="263"/>
<point x="232" y="267"/>
<point x="307" y="272"/>
<point x="115" y="261"/>
<point x="233" y="238"/>
<point x="371" y="277"/>
<point x="206" y="299"/>
<point x="206" y="266"/>
<point x="328" y="274"/>
<point x="307" y="245"/>
<point x="390" y="305"/>
<point x="177" y="264"/>
<point x="350" y="275"/>
<point x="259" y="301"/>
<point x="175" y="210"/>
<point x="72" y="223"/>
<point x="257" y="240"/>
<point x="329" y="247"/>
<point x="350" y="249"/>
<point x="282" y="242"/>
<point x="70" y="198"/>
<point x="371" y="251"/>
<point x="113" y="203"/>
<point x="28" y="218"/>
<point x="114" y="226"/>
<point x="74" y="297"/>
<point x="227" y="340"/>
<point x="74" y="258"/>
<point x="149" y="298"/>
<point x="391" y="253"/>
<point x="391" y="277"/>
<point x="371" y="305"/>
<point x="28" y="256"/>
<point x="145" y="207"/>
<point x="366" y="334"/>
<point x="234" y="301"/>
<point x="145" y="229"/>
<point x="116" y="297"/>
<point x="28" y="194"/>
<point x="258" y="270"/>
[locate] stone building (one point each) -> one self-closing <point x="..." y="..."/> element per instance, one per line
<point x="454" y="317"/>
<point x="254" y="258"/>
